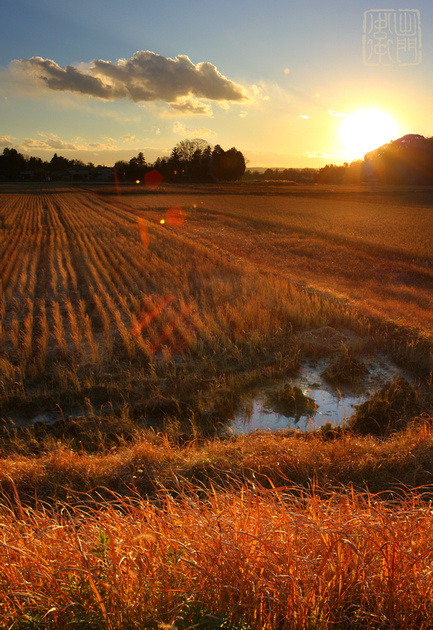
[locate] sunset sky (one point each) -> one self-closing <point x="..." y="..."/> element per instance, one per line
<point x="282" y="81"/>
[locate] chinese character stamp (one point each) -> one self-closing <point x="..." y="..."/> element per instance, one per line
<point x="392" y="37"/>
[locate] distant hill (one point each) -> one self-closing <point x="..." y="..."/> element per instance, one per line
<point x="408" y="159"/>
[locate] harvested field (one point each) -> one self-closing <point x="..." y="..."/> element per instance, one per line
<point x="170" y="305"/>
<point x="372" y="247"/>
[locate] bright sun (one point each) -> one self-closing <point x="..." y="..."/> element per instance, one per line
<point x="365" y="130"/>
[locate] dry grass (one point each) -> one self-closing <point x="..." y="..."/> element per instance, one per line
<point x="94" y="305"/>
<point x="373" y="248"/>
<point x="139" y="340"/>
<point x="247" y="557"/>
<point x="404" y="459"/>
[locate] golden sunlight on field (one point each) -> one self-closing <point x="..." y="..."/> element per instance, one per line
<point x="374" y="250"/>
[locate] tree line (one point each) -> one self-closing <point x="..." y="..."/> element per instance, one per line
<point x="189" y="161"/>
<point x="408" y="160"/>
<point x="14" y="166"/>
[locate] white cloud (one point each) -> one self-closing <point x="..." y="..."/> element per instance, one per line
<point x="146" y="77"/>
<point x="304" y="116"/>
<point x="259" y="94"/>
<point x="318" y="154"/>
<point x="198" y="132"/>
<point x="336" y="114"/>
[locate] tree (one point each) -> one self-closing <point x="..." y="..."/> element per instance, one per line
<point x="187" y="148"/>
<point x="228" y="165"/>
<point x="121" y="169"/>
<point x="11" y="164"/>
<point x="190" y="159"/>
<point x="59" y="163"/>
<point x="137" y="167"/>
<point x="406" y="160"/>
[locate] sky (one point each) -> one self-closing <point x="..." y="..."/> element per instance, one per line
<point x="290" y="83"/>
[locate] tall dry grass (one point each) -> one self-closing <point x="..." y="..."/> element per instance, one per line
<point x="246" y="557"/>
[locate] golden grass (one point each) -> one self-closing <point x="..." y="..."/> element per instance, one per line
<point x="247" y="557"/>
<point x="405" y="459"/>
<point x="373" y="248"/>
<point x="91" y="298"/>
<point x="109" y="323"/>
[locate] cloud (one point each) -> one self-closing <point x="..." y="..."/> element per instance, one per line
<point x="145" y="77"/>
<point x="258" y="93"/>
<point x="243" y="114"/>
<point x="128" y="138"/>
<point x="198" y="132"/>
<point x="50" y="141"/>
<point x="336" y="114"/>
<point x="100" y="146"/>
<point x="304" y="116"/>
<point x="190" y="105"/>
<point x="318" y="154"/>
<point x="5" y="141"/>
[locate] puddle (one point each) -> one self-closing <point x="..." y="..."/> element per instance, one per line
<point x="334" y="405"/>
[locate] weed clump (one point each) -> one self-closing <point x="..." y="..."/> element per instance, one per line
<point x="345" y="369"/>
<point x="290" y="401"/>
<point x="388" y="411"/>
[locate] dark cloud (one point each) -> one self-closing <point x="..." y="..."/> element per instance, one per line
<point x="146" y="76"/>
<point x="67" y="79"/>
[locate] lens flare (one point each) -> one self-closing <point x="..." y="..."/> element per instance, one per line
<point x="172" y="330"/>
<point x="143" y="232"/>
<point x="137" y="181"/>
<point x="116" y="182"/>
<point x="175" y="216"/>
<point x="153" y="179"/>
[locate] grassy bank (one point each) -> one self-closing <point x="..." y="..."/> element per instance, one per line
<point x="227" y="538"/>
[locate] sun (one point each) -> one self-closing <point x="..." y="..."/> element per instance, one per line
<point x="365" y="130"/>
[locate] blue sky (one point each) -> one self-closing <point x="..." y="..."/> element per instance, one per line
<point x="284" y="82"/>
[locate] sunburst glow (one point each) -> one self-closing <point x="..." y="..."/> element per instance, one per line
<point x="365" y="130"/>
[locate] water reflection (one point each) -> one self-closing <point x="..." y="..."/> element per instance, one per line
<point x="334" y="406"/>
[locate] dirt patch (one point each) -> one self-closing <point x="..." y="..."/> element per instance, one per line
<point x="326" y="339"/>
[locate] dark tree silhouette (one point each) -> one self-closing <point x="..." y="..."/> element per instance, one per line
<point x="11" y="164"/>
<point x="408" y="160"/>
<point x="227" y="165"/>
<point x="137" y="167"/>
